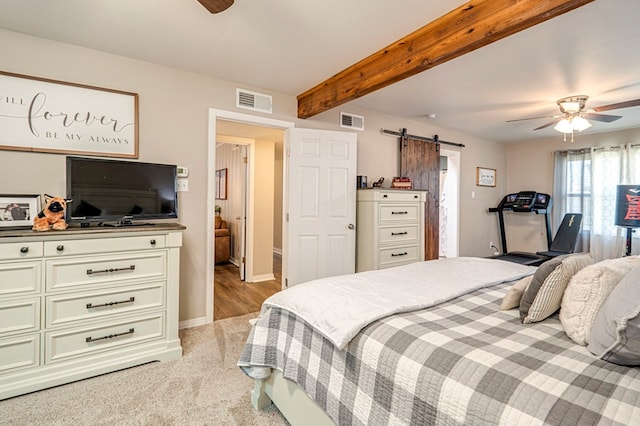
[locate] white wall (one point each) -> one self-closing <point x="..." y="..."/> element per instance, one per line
<point x="530" y="167"/>
<point x="173" y="124"/>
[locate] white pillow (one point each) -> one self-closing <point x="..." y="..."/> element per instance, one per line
<point x="514" y="294"/>
<point x="587" y="291"/>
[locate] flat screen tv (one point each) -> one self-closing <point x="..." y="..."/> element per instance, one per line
<point x="115" y="192"/>
<point x="628" y="206"/>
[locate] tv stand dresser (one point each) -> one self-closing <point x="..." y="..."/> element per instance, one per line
<point x="86" y="301"/>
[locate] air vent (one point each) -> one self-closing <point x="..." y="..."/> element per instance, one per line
<point x="253" y="101"/>
<point x="351" y="121"/>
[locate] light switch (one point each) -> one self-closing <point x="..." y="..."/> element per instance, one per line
<point x="182" y="171"/>
<point x="183" y="184"/>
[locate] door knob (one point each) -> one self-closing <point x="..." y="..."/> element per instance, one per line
<point x="351" y="226"/>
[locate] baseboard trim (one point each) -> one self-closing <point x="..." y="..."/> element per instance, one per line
<point x="264" y="277"/>
<point x="194" y="322"/>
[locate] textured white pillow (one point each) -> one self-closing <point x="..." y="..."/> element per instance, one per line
<point x="514" y="294"/>
<point x="548" y="299"/>
<point x="587" y="291"/>
<point x="615" y="335"/>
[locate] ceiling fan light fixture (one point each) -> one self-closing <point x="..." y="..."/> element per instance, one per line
<point x="572" y="104"/>
<point x="564" y="126"/>
<point x="580" y="123"/>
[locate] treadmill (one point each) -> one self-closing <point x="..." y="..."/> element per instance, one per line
<point x="523" y="202"/>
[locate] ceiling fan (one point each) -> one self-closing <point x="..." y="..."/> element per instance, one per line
<point x="216" y="6"/>
<point x="574" y="117"/>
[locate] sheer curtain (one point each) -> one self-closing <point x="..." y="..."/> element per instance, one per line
<point x="585" y="182"/>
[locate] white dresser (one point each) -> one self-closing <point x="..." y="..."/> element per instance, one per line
<point x="390" y="228"/>
<point x="83" y="302"/>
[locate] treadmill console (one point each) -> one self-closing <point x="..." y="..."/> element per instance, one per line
<point x="525" y="201"/>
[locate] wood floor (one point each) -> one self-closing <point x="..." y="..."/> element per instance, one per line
<point x="232" y="297"/>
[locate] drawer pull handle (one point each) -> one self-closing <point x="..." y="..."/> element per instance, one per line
<point x="111" y="270"/>
<point x="399" y="212"/>
<point x="110" y="336"/>
<point x="60" y="247"/>
<point x="24" y="249"/>
<point x="152" y="242"/>
<point x="92" y="306"/>
<point x="399" y="233"/>
<point x="399" y="254"/>
<point x="384" y="196"/>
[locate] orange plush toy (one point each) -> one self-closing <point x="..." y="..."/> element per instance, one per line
<point x="52" y="216"/>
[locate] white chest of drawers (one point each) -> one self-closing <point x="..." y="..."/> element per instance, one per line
<point x="390" y="228"/>
<point x="83" y="302"/>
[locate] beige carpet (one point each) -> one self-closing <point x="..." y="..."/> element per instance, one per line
<point x="204" y="387"/>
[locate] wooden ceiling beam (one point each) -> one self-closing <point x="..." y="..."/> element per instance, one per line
<point x="475" y="24"/>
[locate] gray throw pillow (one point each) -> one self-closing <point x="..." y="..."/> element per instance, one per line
<point x="536" y="283"/>
<point x="549" y="297"/>
<point x="615" y="334"/>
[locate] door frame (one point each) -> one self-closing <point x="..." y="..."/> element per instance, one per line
<point x="214" y="115"/>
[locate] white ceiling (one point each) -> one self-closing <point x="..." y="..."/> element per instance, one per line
<point x="289" y="46"/>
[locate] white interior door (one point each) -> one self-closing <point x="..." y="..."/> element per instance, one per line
<point x="320" y="204"/>
<point x="242" y="220"/>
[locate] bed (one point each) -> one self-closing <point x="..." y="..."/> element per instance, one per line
<point x="443" y="354"/>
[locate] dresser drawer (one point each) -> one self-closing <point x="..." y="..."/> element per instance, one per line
<point x="18" y="316"/>
<point x="399" y="212"/>
<point x="19" y="352"/>
<point x="81" y="341"/>
<point x="67" y="308"/>
<point x="396" y="195"/>
<point x="26" y="250"/>
<point x="398" y="256"/>
<point x="399" y="234"/>
<point x="20" y="277"/>
<point x="103" y="245"/>
<point x="67" y="273"/>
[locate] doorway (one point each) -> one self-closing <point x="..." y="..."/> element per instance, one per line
<point x="449" y="202"/>
<point x="237" y="127"/>
<point x="237" y="292"/>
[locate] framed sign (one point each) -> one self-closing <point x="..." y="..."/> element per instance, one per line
<point x="221" y="184"/>
<point x="43" y="115"/>
<point x="18" y="210"/>
<point x="485" y="177"/>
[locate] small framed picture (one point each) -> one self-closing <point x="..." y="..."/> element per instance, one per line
<point x="485" y="176"/>
<point x="18" y="210"/>
<point x="221" y="184"/>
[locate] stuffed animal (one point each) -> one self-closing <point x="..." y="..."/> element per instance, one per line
<point x="52" y="216"/>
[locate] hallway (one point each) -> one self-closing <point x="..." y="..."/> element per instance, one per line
<point x="233" y="297"/>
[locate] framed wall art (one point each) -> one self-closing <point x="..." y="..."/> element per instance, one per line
<point x="485" y="176"/>
<point x="221" y="184"/>
<point x="18" y="210"/>
<point x="43" y="115"/>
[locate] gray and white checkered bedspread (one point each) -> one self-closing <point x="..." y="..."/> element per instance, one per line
<point x="462" y="362"/>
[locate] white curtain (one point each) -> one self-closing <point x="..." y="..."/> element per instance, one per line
<point x="585" y="181"/>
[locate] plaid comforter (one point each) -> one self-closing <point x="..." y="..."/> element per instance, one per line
<point x="462" y="362"/>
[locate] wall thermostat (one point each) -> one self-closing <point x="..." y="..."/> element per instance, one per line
<point x="182" y="171"/>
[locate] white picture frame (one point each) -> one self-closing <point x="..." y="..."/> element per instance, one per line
<point x="18" y="210"/>
<point x="44" y="115"/>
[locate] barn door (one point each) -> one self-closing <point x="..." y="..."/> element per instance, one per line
<point x="420" y="161"/>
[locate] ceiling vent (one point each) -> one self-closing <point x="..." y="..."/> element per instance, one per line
<point x="351" y="121"/>
<point x="253" y="101"/>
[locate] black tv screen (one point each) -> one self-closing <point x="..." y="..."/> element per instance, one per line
<point x="120" y="191"/>
<point x="628" y="206"/>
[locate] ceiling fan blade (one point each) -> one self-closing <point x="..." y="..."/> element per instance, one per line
<point x="216" y="6"/>
<point x="619" y="105"/>
<point x="551" y="123"/>
<point x="601" y="117"/>
<point x="533" y="118"/>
